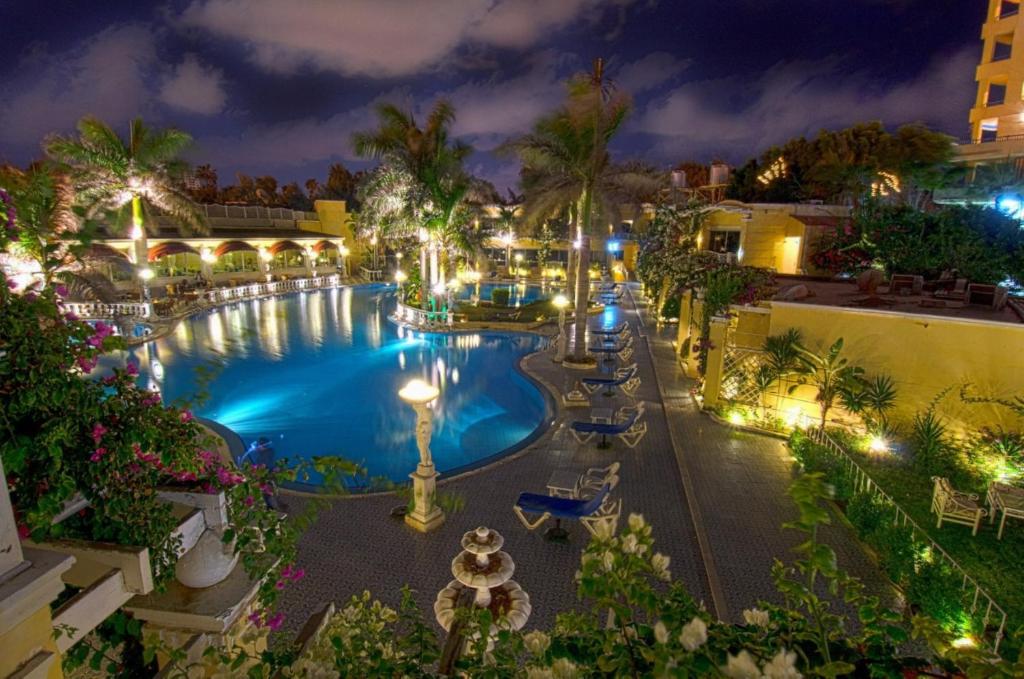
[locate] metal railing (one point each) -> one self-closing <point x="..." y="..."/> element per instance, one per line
<point x="257" y="212"/>
<point x="863" y="483"/>
<point x="104" y="310"/>
<point x="422" y="319"/>
<point x="974" y="142"/>
<point x="371" y="274"/>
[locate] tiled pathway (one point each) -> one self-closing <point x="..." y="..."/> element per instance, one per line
<point x="738" y="487"/>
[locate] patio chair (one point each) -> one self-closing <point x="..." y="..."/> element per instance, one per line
<point x="625" y="380"/>
<point x="1002" y="497"/>
<point x="595" y="477"/>
<point x="954" y="290"/>
<point x="912" y="284"/>
<point x="954" y="506"/>
<point x="987" y="295"/>
<point x="630" y="431"/>
<point x="608" y="512"/>
<point x="559" y="508"/>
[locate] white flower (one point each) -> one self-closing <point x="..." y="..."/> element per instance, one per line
<point x="537" y="642"/>
<point x="608" y="559"/>
<point x="694" y="634"/>
<point x="741" y="666"/>
<point x="782" y="666"/>
<point x="659" y="562"/>
<point x="636" y="522"/>
<point x="660" y="632"/>
<point x="604" y="530"/>
<point x="564" y="668"/>
<point x="629" y="544"/>
<point x="755" y="616"/>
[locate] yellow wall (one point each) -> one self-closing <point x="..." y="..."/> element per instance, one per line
<point x="923" y="354"/>
<point x="335" y="219"/>
<point x="35" y="633"/>
<point x="763" y="235"/>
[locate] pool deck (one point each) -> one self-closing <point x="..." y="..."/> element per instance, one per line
<point x="716" y="499"/>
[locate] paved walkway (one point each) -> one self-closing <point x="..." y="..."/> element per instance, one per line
<point x="716" y="501"/>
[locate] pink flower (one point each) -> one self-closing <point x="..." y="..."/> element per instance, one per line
<point x="97" y="454"/>
<point x="256" y="618"/>
<point x="30" y="296"/>
<point x="186" y="416"/>
<point x="109" y="379"/>
<point x="71" y="316"/>
<point x="274" y="621"/>
<point x="248" y="501"/>
<point x="61" y="290"/>
<point x="151" y="400"/>
<point x="86" y="364"/>
<point x="98" y="430"/>
<point x="228" y="478"/>
<point x="298" y="574"/>
<point x="11" y="283"/>
<point x="279" y="585"/>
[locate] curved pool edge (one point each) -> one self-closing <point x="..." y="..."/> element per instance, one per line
<point x="551" y="409"/>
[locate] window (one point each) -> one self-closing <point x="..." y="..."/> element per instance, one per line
<point x="1007" y="8"/>
<point x="989" y="130"/>
<point x="724" y="241"/>
<point x="996" y="94"/>
<point x="1003" y="48"/>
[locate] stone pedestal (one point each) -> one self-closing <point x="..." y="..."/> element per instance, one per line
<point x="425" y="515"/>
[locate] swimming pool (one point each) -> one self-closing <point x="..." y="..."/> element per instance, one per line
<point x="318" y="373"/>
<point x="519" y="294"/>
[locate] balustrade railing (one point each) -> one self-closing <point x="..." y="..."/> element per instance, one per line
<point x="423" y="319"/>
<point x="251" y="290"/>
<point x="104" y="310"/>
<point x="371" y="274"/>
<point x="979" y="598"/>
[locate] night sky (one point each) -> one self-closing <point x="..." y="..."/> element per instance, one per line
<point x="276" y="87"/>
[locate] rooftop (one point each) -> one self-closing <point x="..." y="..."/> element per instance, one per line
<point x="845" y="294"/>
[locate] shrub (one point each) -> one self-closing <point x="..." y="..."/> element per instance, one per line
<point x="500" y="296"/>
<point x="671" y="307"/>
<point x="816" y="458"/>
<point x="873" y="519"/>
<point x="938" y="591"/>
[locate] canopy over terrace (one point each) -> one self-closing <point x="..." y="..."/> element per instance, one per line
<point x="284" y="245"/>
<point x="170" y="248"/>
<point x="229" y="246"/>
<point x="324" y="245"/>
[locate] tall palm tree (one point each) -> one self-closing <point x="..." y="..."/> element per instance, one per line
<point x="566" y="163"/>
<point x="428" y="155"/>
<point x="144" y="172"/>
<point x="830" y="372"/>
<point x="44" y="200"/>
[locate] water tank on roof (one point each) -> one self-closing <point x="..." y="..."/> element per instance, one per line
<point x="678" y="179"/>
<point x="719" y="174"/>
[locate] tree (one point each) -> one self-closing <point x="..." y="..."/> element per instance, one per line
<point x="424" y="182"/>
<point x="204" y="188"/>
<point x="43" y="200"/>
<point x="830" y="373"/>
<point x="144" y="171"/>
<point x="566" y="163"/>
<point x="293" y="197"/>
<point x="266" y="190"/>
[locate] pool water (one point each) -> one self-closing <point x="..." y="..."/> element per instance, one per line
<point x="519" y="295"/>
<point x="318" y="373"/>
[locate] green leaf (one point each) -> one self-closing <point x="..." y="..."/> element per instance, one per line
<point x="835" y="669"/>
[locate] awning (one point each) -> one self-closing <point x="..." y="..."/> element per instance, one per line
<point x="325" y="245"/>
<point x="103" y="251"/>
<point x="233" y="246"/>
<point x="282" y="245"/>
<point x="170" y="248"/>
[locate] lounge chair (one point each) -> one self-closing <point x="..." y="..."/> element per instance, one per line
<point x="592" y="480"/>
<point x="630" y="430"/>
<point x="623" y="351"/>
<point x="610" y="297"/>
<point x="585" y="511"/>
<point x="955" y="290"/>
<point x="987" y="295"/>
<point x="954" y="506"/>
<point x="912" y="284"/>
<point x="627" y="380"/>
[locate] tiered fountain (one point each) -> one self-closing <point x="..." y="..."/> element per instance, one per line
<point x="481" y="566"/>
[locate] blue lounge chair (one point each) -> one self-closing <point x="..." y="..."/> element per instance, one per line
<point x="623" y="351"/>
<point x="587" y="512"/>
<point x="628" y="380"/>
<point x="630" y="430"/>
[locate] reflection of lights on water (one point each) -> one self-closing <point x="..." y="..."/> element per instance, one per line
<point x="157" y="368"/>
<point x="215" y="323"/>
<point x="455" y="375"/>
<point x="401" y="360"/>
<point x="316" y="319"/>
<point x="183" y="333"/>
<point x="270" y="331"/>
<point x="346" y="315"/>
<point x="467" y="341"/>
<point x="153" y="386"/>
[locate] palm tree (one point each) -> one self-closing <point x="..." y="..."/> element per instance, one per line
<point x="830" y="373"/>
<point x="566" y="164"/>
<point x="109" y="174"/>
<point x="43" y="199"/>
<point x="440" y="185"/>
<point x="782" y="356"/>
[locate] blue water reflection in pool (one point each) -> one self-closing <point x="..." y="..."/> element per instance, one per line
<point x="318" y="374"/>
<point x="519" y="294"/>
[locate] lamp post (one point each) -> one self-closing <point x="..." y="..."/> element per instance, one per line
<point x="519" y="264"/>
<point x="400" y="278"/>
<point x="343" y="252"/>
<point x="146" y="274"/>
<point x="373" y="244"/>
<point x="425" y="514"/>
<point x="561" y="302"/>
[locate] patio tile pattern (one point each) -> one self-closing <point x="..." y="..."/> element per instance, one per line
<point x="739" y="484"/>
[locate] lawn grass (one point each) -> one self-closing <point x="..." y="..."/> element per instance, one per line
<point x="995" y="564"/>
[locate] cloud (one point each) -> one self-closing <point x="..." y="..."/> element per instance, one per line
<point x="106" y="75"/>
<point x="194" y="88"/>
<point x="648" y="72"/>
<point x="382" y="38"/>
<point x="799" y="98"/>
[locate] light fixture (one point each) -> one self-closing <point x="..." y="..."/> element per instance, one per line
<point x="343" y="251"/>
<point x="438" y="288"/>
<point x="400" y="277"/>
<point x="560" y="301"/>
<point x="373" y="239"/>
<point x="1011" y="205"/>
<point x="207" y="256"/>
<point x="310" y="252"/>
<point x="265" y="255"/>
<point x="136" y="232"/>
<point x="519" y="257"/>
<point x="736" y="418"/>
<point x="146" y="273"/>
<point x="878" y="445"/>
<point x="613" y="246"/>
<point x="964" y="642"/>
<point x="417" y="391"/>
<point x="398" y="256"/>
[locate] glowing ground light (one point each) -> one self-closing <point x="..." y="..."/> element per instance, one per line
<point x="418" y="391"/>
<point x="1011" y="205"/>
<point x="877" y="444"/>
<point x="964" y="642"/>
<point x="736" y="418"/>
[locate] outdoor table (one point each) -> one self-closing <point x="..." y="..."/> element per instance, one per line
<point x="563" y="483"/>
<point x="1005" y="499"/>
<point x="601" y="415"/>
